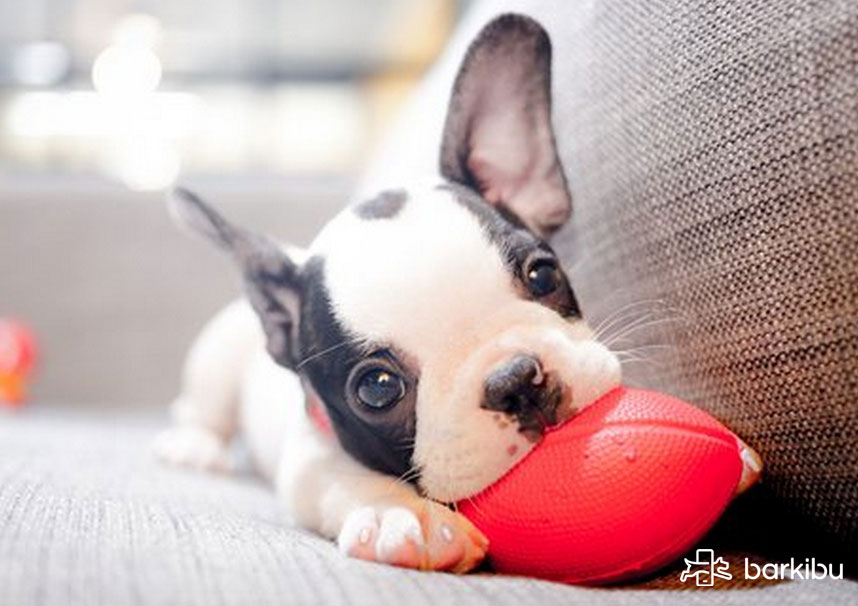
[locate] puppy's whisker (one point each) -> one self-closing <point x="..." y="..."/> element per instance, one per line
<point x="404" y="479"/>
<point x="409" y="479"/>
<point x="641" y="348"/>
<point x="621" y="331"/>
<point x="406" y="444"/>
<point x="649" y="361"/>
<point x="634" y="357"/>
<point x="618" y="314"/>
<point x="617" y="330"/>
<point x="326" y="351"/>
<point x="408" y="475"/>
<point x="646" y="307"/>
<point x="475" y="506"/>
<point x="637" y="327"/>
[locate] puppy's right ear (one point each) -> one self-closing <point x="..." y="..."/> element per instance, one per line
<point x="498" y="138"/>
<point x="271" y="279"/>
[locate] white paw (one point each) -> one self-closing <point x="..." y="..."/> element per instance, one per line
<point x="192" y="446"/>
<point x="423" y="535"/>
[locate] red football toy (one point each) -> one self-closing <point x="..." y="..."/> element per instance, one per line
<point x="625" y="487"/>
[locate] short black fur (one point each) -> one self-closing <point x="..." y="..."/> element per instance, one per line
<point x="382" y="440"/>
<point x="385" y="205"/>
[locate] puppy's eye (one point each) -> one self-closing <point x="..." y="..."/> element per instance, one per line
<point x="542" y="277"/>
<point x="379" y="388"/>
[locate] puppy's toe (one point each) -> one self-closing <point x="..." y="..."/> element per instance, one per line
<point x="359" y="533"/>
<point x="422" y="534"/>
<point x="387" y="534"/>
<point x="192" y="446"/>
<point x="452" y="542"/>
<point x="400" y="539"/>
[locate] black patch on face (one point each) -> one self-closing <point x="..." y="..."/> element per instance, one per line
<point x="517" y="244"/>
<point x="385" y="205"/>
<point x="381" y="440"/>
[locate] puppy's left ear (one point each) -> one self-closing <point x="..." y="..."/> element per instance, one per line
<point x="271" y="278"/>
<point x="498" y="137"/>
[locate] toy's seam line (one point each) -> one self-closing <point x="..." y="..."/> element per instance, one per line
<point x="577" y="429"/>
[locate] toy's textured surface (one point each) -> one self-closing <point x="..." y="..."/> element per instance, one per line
<point x="625" y="487"/>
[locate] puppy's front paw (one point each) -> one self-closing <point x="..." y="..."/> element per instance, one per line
<point x="423" y="535"/>
<point x="192" y="446"/>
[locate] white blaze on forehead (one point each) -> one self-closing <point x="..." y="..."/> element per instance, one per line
<point x="416" y="280"/>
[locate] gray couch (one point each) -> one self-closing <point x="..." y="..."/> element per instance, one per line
<point x="87" y="518"/>
<point x="712" y="152"/>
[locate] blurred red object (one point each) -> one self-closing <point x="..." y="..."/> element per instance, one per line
<point x="17" y="359"/>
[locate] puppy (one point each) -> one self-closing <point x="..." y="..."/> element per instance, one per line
<point x="421" y="346"/>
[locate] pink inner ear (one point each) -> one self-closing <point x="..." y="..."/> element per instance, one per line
<point x="498" y="134"/>
<point x="519" y="171"/>
<point x="505" y="146"/>
<point x="490" y="184"/>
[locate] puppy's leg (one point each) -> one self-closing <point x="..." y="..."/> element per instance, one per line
<point x="372" y="516"/>
<point x="205" y="414"/>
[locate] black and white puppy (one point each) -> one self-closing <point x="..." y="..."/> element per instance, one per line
<point x="421" y="345"/>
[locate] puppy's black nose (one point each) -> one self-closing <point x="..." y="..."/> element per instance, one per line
<point x="516" y="387"/>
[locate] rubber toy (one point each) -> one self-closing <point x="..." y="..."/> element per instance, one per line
<point x="17" y="359"/>
<point x="623" y="488"/>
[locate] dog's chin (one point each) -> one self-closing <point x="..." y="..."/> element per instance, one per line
<point x="452" y="488"/>
<point x="503" y="443"/>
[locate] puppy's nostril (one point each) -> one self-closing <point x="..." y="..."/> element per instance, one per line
<point x="509" y="403"/>
<point x="514" y="386"/>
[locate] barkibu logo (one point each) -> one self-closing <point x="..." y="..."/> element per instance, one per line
<point x="809" y="569"/>
<point x="705" y="568"/>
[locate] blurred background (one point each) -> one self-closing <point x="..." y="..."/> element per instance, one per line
<point x="270" y="108"/>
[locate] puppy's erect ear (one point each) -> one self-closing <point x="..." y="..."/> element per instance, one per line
<point x="271" y="279"/>
<point x="498" y="137"/>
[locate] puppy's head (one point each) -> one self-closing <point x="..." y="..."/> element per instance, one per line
<point x="435" y="323"/>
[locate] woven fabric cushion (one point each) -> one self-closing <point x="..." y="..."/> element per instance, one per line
<point x="712" y="152"/>
<point x="87" y="517"/>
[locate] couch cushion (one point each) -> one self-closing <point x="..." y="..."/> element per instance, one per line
<point x="87" y="517"/>
<point x="712" y="152"/>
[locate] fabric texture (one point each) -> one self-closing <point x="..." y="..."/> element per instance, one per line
<point x="712" y="153"/>
<point x="87" y="517"/>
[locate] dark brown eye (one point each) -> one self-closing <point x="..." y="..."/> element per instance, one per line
<point x="542" y="277"/>
<point x="379" y="388"/>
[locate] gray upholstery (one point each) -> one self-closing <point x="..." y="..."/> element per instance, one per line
<point x="712" y="151"/>
<point x="87" y="518"/>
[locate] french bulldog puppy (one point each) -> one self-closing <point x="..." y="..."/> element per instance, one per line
<point x="422" y="344"/>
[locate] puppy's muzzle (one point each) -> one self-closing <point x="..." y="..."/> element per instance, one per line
<point x="520" y="388"/>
